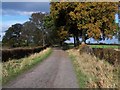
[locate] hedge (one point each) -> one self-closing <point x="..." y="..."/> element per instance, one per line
<point x="111" y="55"/>
<point x="20" y="52"/>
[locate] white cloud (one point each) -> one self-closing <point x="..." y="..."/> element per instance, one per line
<point x="25" y="13"/>
<point x="13" y="12"/>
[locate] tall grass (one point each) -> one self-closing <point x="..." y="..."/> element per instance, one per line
<point x="93" y="72"/>
<point x="13" y="68"/>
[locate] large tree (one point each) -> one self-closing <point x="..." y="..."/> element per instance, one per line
<point x="12" y="36"/>
<point x="55" y="35"/>
<point x="86" y="20"/>
<point x="38" y="20"/>
<point x="30" y="35"/>
<point x="52" y="35"/>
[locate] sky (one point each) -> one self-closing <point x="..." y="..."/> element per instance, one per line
<point x="19" y="12"/>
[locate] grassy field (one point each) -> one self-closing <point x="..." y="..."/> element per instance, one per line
<point x="99" y="46"/>
<point x="104" y="46"/>
<point x="92" y="72"/>
<point x="13" y="68"/>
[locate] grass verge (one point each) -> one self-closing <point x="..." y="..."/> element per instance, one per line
<point x="118" y="68"/>
<point x="13" y="68"/>
<point x="81" y="77"/>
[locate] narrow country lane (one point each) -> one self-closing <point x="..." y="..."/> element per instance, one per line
<point x="54" y="72"/>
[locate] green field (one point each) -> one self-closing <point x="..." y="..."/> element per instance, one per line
<point x="104" y="46"/>
<point x="99" y="46"/>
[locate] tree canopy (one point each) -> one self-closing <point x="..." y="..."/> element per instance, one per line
<point x="85" y="19"/>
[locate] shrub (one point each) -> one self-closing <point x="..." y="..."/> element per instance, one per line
<point x="84" y="48"/>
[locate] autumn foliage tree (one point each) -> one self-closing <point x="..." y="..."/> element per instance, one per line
<point x="85" y="19"/>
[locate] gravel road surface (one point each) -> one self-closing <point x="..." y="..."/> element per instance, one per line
<point x="54" y="72"/>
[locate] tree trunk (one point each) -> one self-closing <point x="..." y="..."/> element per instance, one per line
<point x="77" y="40"/>
<point x="74" y="41"/>
<point x="83" y="39"/>
<point x="83" y="36"/>
<point x="61" y="43"/>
